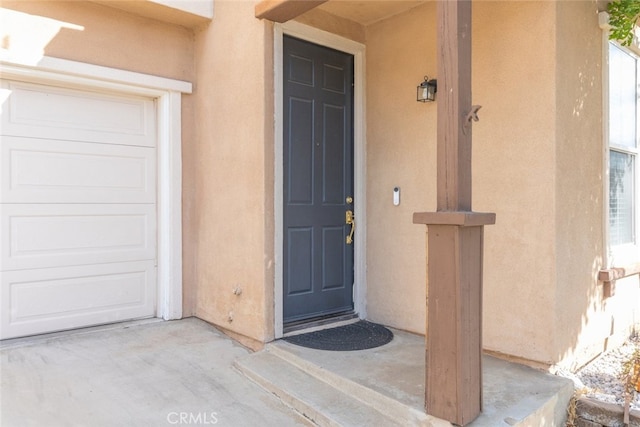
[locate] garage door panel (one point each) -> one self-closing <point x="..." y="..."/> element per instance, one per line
<point x="78" y="208"/>
<point x="69" y="114"/>
<point x="42" y="236"/>
<point x="47" y="300"/>
<point x="50" y="171"/>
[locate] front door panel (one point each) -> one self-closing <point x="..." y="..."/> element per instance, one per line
<point x="318" y="180"/>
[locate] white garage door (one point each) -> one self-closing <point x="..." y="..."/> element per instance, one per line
<point x="77" y="208"/>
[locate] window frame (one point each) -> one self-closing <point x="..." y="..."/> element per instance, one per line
<point x="624" y="253"/>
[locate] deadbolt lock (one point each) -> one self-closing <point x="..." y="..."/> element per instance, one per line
<point x="349" y="199"/>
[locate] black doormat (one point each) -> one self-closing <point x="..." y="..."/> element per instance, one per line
<point x="356" y="336"/>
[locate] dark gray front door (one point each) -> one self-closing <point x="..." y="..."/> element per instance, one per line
<point x="318" y="180"/>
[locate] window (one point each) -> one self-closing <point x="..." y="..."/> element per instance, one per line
<point x="623" y="145"/>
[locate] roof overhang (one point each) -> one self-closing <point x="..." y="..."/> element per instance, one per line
<point x="363" y="12"/>
<point x="284" y="10"/>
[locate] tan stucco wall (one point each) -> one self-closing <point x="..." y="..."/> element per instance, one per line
<point x="514" y="174"/>
<point x="537" y="74"/>
<point x="538" y="163"/>
<point x="234" y="172"/>
<point x="112" y="38"/>
<point x="333" y="24"/>
<point x="513" y="151"/>
<point x="108" y="36"/>
<point x="227" y="128"/>
<point x="580" y="312"/>
<point x="587" y="320"/>
<point x="400" y="153"/>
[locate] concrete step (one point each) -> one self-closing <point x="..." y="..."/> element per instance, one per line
<point x="394" y="408"/>
<point x="325" y="398"/>
<point x="313" y="398"/>
<point x="514" y="395"/>
<point x="386" y="384"/>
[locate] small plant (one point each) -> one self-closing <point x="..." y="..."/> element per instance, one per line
<point x="631" y="377"/>
<point x="623" y="17"/>
<point x="572" y="410"/>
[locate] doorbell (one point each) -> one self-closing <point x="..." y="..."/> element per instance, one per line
<point x="396" y="196"/>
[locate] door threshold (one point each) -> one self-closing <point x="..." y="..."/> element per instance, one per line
<point x="318" y="324"/>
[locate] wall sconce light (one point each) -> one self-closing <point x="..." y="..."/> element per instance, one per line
<point x="427" y="90"/>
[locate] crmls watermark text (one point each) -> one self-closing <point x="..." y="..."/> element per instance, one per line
<point x="192" y="418"/>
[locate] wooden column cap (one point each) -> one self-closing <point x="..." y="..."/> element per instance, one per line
<point x="462" y="218"/>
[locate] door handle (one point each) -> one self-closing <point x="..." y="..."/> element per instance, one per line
<point x="350" y="219"/>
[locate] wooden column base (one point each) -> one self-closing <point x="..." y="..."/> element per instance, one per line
<point x="454" y="335"/>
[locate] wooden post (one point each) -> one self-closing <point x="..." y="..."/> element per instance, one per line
<point x="454" y="336"/>
<point x="454" y="102"/>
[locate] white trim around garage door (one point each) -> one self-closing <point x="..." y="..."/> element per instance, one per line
<point x="356" y="49"/>
<point x="167" y="93"/>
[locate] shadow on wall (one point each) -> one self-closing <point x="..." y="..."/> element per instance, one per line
<point x="588" y="321"/>
<point x="24" y="37"/>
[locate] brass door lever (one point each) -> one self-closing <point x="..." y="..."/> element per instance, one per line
<point x="350" y="220"/>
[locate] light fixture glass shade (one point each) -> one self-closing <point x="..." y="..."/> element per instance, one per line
<point x="427" y="90"/>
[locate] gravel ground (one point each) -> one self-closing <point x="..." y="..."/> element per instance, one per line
<point x="601" y="379"/>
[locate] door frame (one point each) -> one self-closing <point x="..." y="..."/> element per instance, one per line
<point x="167" y="94"/>
<point x="322" y="38"/>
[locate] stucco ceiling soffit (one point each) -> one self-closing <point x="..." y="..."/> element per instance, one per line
<point x="171" y="11"/>
<point x="367" y="12"/>
<point x="284" y="10"/>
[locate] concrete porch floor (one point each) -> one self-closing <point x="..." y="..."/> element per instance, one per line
<point x="181" y="373"/>
<point x="385" y="386"/>
<point x="151" y="373"/>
